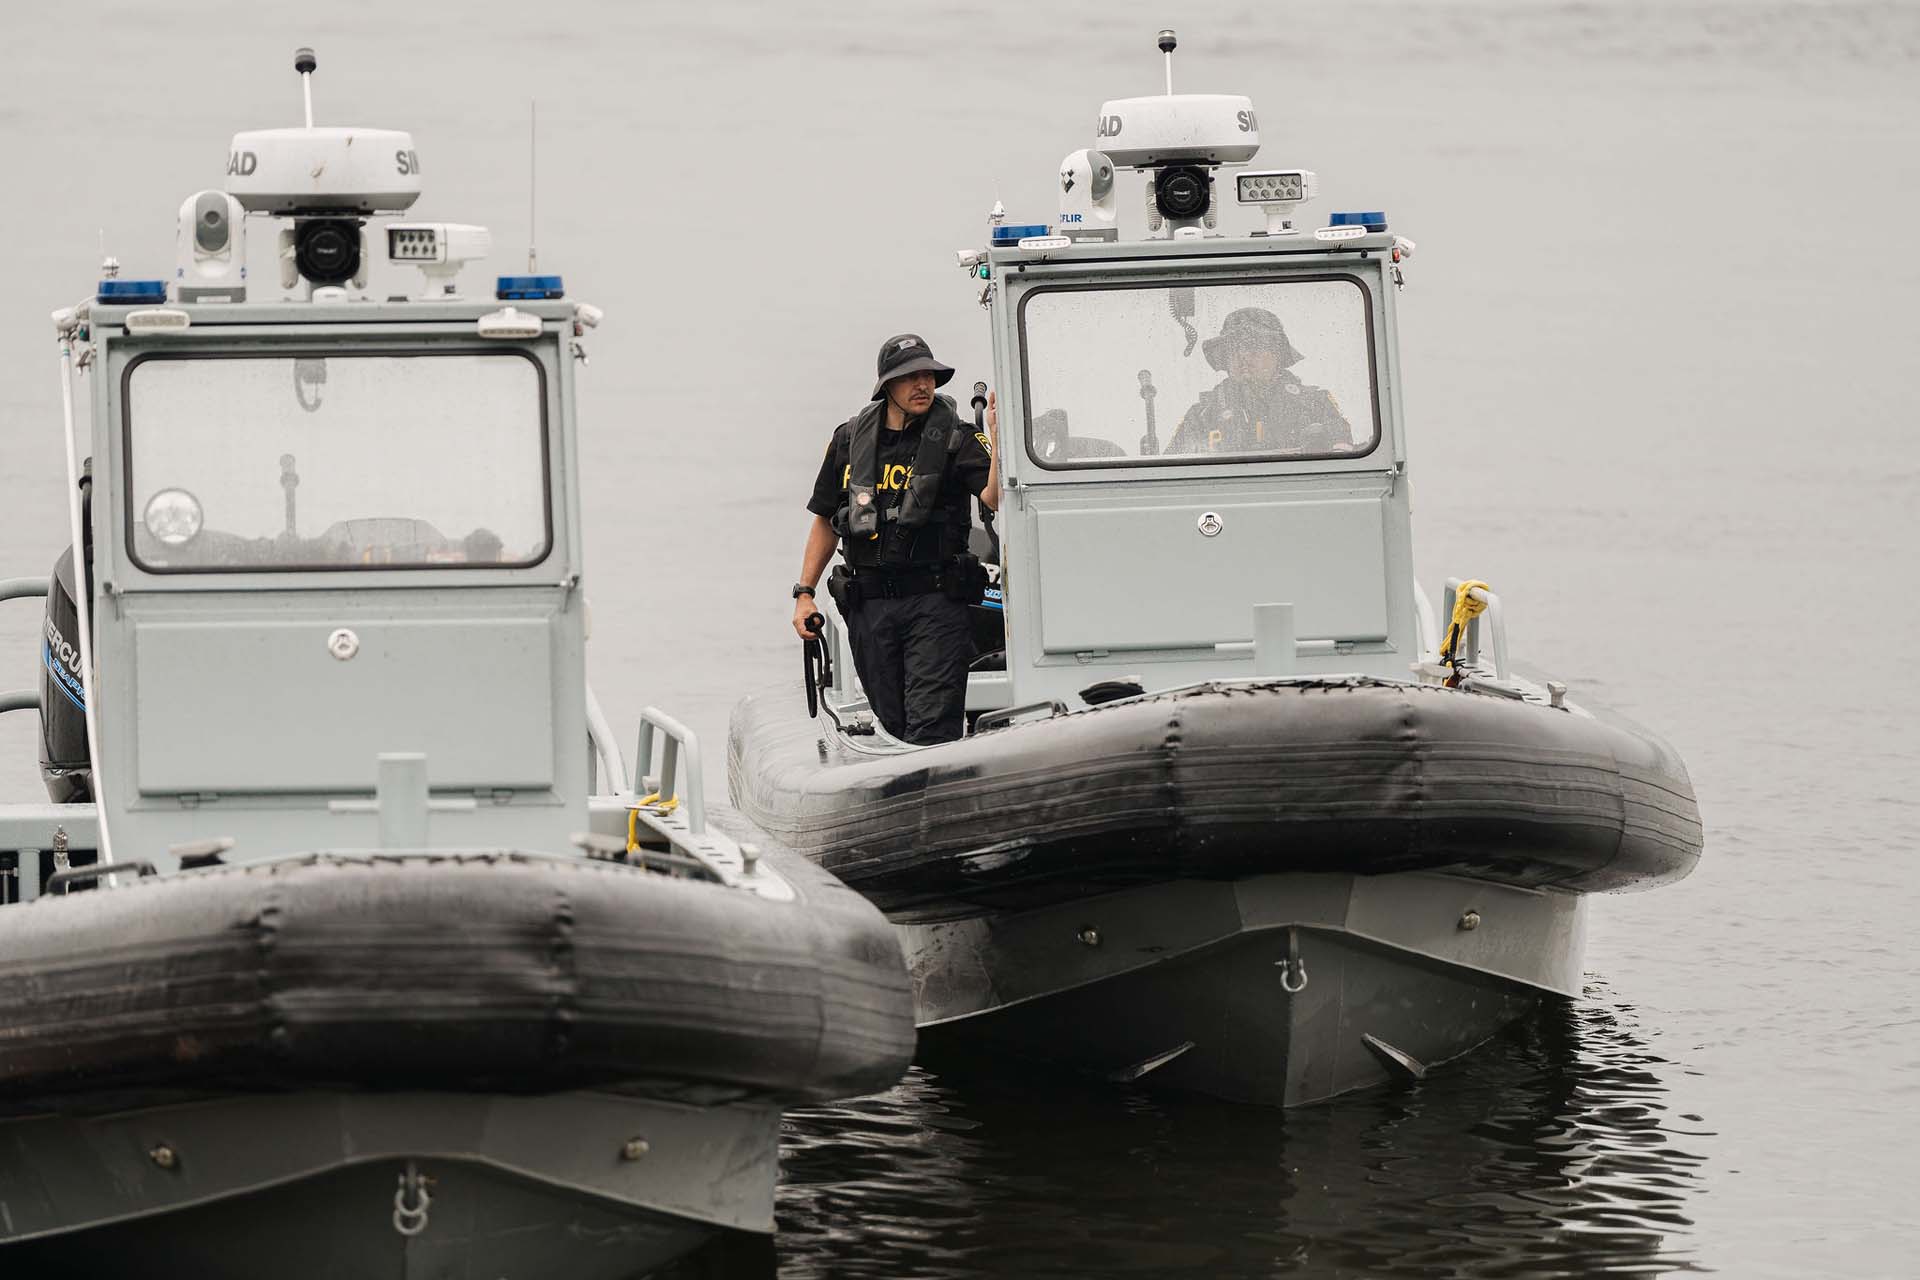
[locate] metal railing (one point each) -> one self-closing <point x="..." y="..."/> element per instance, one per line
<point x="603" y="749"/>
<point x="22" y="589"/>
<point x="680" y="770"/>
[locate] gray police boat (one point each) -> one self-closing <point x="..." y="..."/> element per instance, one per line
<point x="1268" y="828"/>
<point x="345" y="946"/>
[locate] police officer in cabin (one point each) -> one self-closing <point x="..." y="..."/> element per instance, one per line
<point x="1261" y="406"/>
<point x="893" y="494"/>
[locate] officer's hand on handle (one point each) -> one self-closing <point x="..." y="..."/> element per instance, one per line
<point x="993" y="419"/>
<point x="806" y="618"/>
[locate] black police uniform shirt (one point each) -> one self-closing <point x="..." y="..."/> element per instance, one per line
<point x="1281" y="416"/>
<point x="967" y="471"/>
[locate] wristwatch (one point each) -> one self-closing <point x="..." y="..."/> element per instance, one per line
<point x="801" y="589"/>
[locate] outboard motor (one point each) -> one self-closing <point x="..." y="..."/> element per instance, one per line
<point x="64" y="763"/>
<point x="66" y="766"/>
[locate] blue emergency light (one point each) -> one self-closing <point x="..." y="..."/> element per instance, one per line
<point x="528" y="288"/>
<point x="1011" y="235"/>
<point x="131" y="292"/>
<point x="1373" y="220"/>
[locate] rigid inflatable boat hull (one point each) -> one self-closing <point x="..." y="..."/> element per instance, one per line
<point x="303" y="1187"/>
<point x="1277" y="990"/>
<point x="1117" y="890"/>
<point x="588" y="1059"/>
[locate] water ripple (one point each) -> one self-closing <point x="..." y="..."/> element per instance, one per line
<point x="1552" y="1152"/>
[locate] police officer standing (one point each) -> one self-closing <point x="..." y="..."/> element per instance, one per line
<point x="893" y="493"/>
<point x="1261" y="406"/>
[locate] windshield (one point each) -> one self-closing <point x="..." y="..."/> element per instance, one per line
<point x="1218" y="372"/>
<point x="336" y="461"/>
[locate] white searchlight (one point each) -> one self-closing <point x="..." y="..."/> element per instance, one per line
<point x="1278" y="192"/>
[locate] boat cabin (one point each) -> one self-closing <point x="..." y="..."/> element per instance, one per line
<point x="330" y="596"/>
<point x="1203" y="452"/>
<point x="1194" y="493"/>
<point x="327" y="533"/>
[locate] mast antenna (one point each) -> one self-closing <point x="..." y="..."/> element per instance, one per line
<point x="533" y="181"/>
<point x="1168" y="42"/>
<point x="304" y="62"/>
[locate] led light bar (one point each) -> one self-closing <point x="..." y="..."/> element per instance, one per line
<point x="1278" y="192"/>
<point x="413" y="244"/>
<point x="157" y="320"/>
<point x="429" y="242"/>
<point x="509" y="322"/>
<point x="1275" y="186"/>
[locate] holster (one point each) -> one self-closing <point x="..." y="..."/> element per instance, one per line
<point x="845" y="590"/>
<point x="965" y="579"/>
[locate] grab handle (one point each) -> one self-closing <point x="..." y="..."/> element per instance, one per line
<point x="676" y="739"/>
<point x="76" y="875"/>
<point x="1007" y="715"/>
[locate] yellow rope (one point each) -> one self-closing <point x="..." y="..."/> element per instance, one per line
<point x="1465" y="610"/>
<point x="660" y="807"/>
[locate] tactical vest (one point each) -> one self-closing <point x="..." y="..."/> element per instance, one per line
<point x="911" y="531"/>
<point x="1287" y="414"/>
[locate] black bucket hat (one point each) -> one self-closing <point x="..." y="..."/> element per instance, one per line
<point x="906" y="353"/>
<point x="1250" y="327"/>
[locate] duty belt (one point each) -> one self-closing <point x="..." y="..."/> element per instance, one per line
<point x="880" y="583"/>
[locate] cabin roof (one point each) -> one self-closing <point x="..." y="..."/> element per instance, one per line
<point x="1300" y="246"/>
<point x="233" y="315"/>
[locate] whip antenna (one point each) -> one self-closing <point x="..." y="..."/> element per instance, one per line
<point x="533" y="180"/>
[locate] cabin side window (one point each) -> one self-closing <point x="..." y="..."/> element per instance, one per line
<point x="1236" y="371"/>
<point x="332" y="461"/>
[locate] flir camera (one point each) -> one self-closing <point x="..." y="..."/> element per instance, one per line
<point x="210" y="255"/>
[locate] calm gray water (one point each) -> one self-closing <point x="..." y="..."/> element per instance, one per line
<point x="1657" y="341"/>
